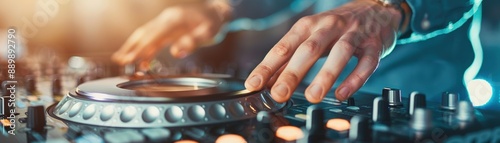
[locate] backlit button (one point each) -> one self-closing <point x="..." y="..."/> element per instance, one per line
<point x="301" y="116"/>
<point x="186" y="141"/>
<point x="338" y="124"/>
<point x="230" y="138"/>
<point x="335" y="110"/>
<point x="289" y="133"/>
<point x="354" y="108"/>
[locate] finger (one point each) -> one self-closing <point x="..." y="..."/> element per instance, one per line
<point x="306" y="55"/>
<point x="367" y="64"/>
<point x="277" y="56"/>
<point x="146" y="38"/>
<point x="338" y="57"/>
<point x="129" y="44"/>
<point x="204" y="34"/>
<point x="183" y="47"/>
<point x="274" y="78"/>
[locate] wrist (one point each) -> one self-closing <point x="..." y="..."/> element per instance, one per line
<point x="401" y="12"/>
<point x="223" y="9"/>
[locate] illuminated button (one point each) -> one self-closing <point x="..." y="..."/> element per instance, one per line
<point x="128" y="114"/>
<point x="64" y="108"/>
<point x="289" y="133"/>
<point x="230" y="138"/>
<point x="301" y="116"/>
<point x="196" y="113"/>
<point x="75" y="109"/>
<point x="186" y="141"/>
<point x="150" y="114"/>
<point x="237" y="109"/>
<point x="89" y="112"/>
<point x="217" y="111"/>
<point x="107" y="112"/>
<point x="173" y="114"/>
<point x="354" y="108"/>
<point x="338" y="124"/>
<point x="5" y="122"/>
<point x="335" y="110"/>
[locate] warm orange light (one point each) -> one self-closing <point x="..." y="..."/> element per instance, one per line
<point x="5" y="122"/>
<point x="186" y="141"/>
<point x="230" y="138"/>
<point x="338" y="124"/>
<point x="289" y="133"/>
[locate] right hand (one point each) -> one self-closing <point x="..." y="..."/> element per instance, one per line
<point x="183" y="27"/>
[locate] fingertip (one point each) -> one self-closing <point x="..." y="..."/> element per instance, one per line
<point x="343" y="93"/>
<point x="253" y="83"/>
<point x="280" y="93"/>
<point x="314" y="94"/>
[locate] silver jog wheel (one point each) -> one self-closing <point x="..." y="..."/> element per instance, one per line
<point x="162" y="101"/>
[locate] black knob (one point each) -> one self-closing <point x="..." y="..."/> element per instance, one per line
<point x="392" y="96"/>
<point x="315" y="128"/>
<point x="449" y="101"/>
<point x="56" y="86"/>
<point x="263" y="132"/>
<point x="360" y="130"/>
<point x="350" y="102"/>
<point x="30" y="85"/>
<point x="381" y="113"/>
<point x="36" y="118"/>
<point x="417" y="100"/>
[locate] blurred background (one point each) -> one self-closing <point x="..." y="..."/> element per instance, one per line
<point x="76" y="38"/>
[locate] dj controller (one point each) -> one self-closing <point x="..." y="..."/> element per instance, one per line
<point x="217" y="108"/>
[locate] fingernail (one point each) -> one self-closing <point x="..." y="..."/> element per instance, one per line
<point x="254" y="81"/>
<point x="280" y="90"/>
<point x="316" y="92"/>
<point x="344" y="92"/>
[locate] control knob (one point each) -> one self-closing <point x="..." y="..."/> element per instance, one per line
<point x="417" y="100"/>
<point x="392" y="96"/>
<point x="449" y="101"/>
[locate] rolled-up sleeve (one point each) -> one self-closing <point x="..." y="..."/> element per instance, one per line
<point x="436" y="17"/>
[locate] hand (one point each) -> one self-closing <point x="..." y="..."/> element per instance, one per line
<point x="362" y="28"/>
<point x="183" y="27"/>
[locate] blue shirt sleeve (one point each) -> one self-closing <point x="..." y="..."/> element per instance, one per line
<point x="432" y="18"/>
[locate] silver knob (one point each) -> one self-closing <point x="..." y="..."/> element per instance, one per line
<point x="421" y="119"/>
<point x="449" y="101"/>
<point x="392" y="96"/>
<point x="465" y="111"/>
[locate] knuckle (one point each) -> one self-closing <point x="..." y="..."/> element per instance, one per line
<point x="311" y="46"/>
<point x="335" y="19"/>
<point x="328" y="75"/>
<point x="372" y="60"/>
<point x="323" y="32"/>
<point x="281" y="49"/>
<point x="290" y="77"/>
<point x="357" y="79"/>
<point x="305" y="21"/>
<point x="265" y="69"/>
<point x="345" y="46"/>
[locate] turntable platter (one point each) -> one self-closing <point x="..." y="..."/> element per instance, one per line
<point x="162" y="102"/>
